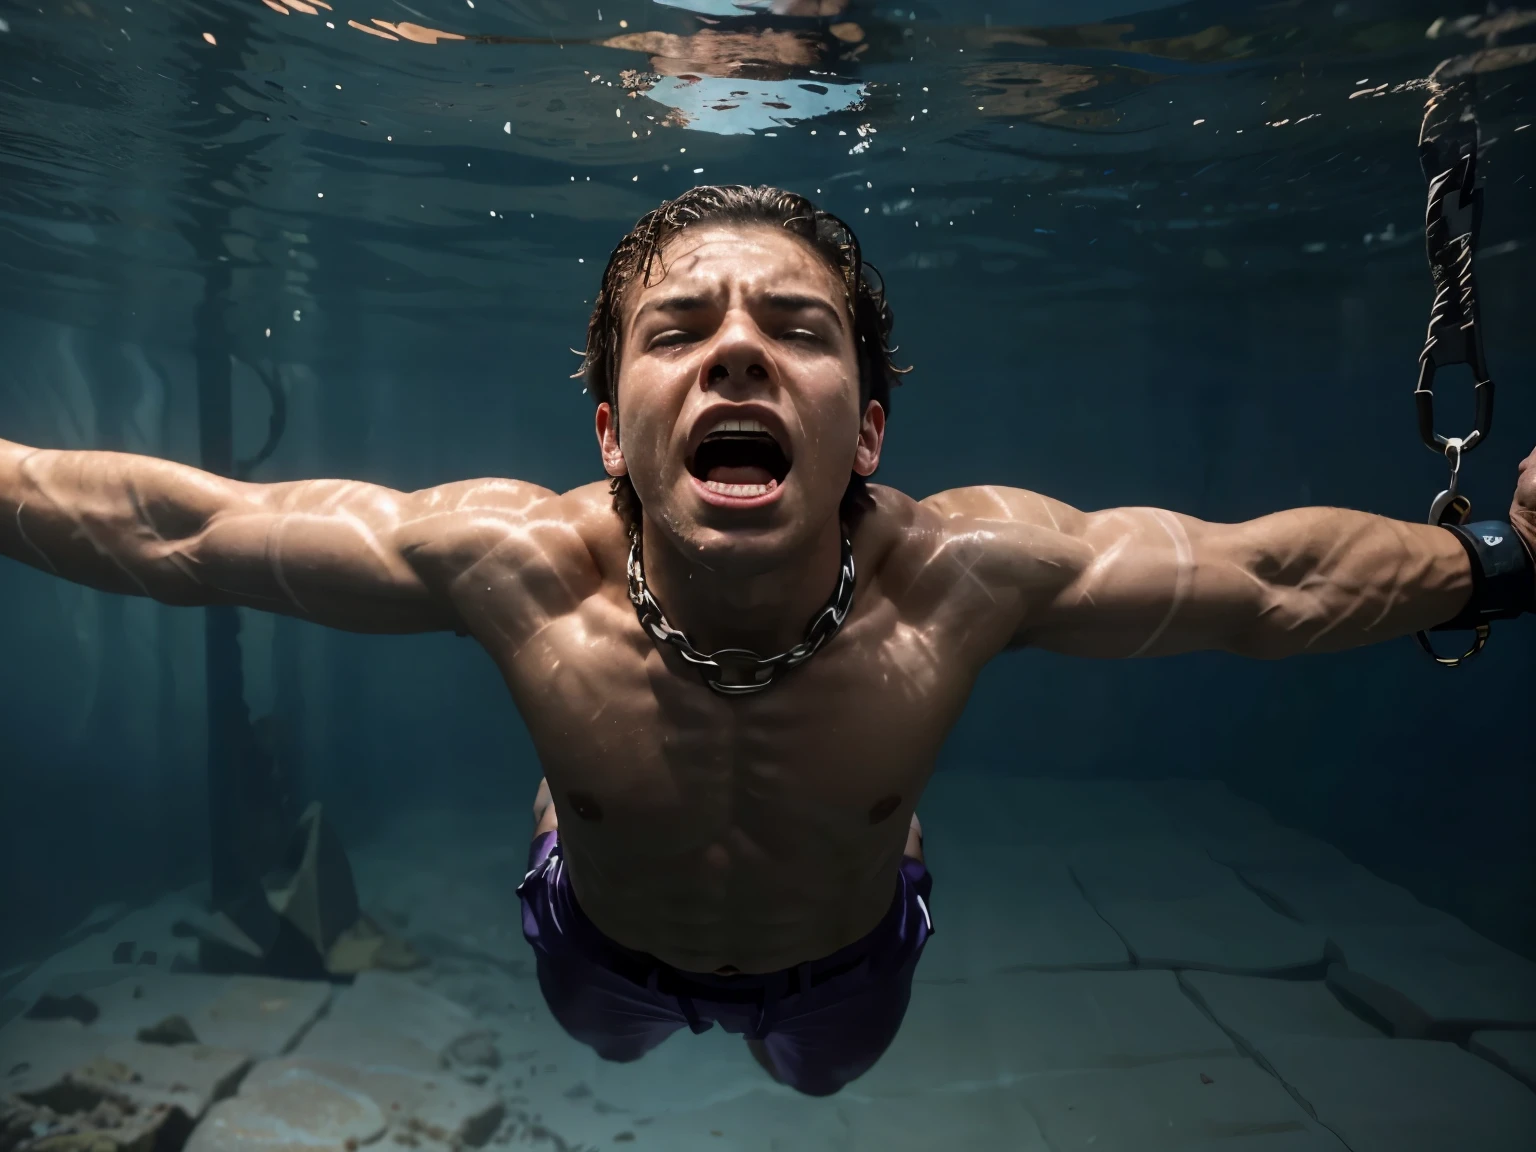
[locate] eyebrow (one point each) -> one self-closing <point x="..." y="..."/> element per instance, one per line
<point x="778" y="301"/>
<point x="798" y="302"/>
<point x="674" y="303"/>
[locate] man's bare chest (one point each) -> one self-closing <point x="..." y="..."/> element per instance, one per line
<point x="631" y="737"/>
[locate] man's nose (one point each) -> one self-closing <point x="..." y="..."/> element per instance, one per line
<point x="739" y="356"/>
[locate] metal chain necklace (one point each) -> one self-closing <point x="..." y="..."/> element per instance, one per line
<point x="760" y="669"/>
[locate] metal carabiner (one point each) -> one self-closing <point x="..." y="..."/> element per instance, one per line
<point x="1451" y="507"/>
<point x="1424" y="401"/>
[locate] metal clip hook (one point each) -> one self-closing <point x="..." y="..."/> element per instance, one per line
<point x="1450" y="506"/>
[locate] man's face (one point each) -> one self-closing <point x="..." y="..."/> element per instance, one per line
<point x="738" y="395"/>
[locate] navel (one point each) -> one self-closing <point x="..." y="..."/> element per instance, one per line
<point x="884" y="808"/>
<point x="585" y="805"/>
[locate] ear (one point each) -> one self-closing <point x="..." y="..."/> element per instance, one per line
<point x="608" y="440"/>
<point x="866" y="457"/>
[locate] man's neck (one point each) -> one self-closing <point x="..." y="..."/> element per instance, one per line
<point x="766" y="610"/>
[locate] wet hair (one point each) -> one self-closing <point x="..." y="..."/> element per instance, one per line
<point x="638" y="255"/>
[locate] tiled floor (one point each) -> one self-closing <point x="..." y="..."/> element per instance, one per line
<point x="1117" y="966"/>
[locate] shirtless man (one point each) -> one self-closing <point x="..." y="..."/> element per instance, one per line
<point x="733" y="839"/>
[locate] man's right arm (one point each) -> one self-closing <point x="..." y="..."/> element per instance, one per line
<point x="341" y="553"/>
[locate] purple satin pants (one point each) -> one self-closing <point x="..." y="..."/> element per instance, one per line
<point x="823" y="1023"/>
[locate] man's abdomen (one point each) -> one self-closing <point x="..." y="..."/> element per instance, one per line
<point x="715" y="907"/>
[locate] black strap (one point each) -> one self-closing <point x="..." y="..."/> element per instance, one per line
<point x="1503" y="575"/>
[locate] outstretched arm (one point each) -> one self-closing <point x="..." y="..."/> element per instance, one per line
<point x="341" y="553"/>
<point x="1148" y="582"/>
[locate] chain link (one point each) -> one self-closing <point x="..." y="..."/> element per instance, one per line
<point x="761" y="669"/>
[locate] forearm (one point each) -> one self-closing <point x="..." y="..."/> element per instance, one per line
<point x="113" y="521"/>
<point x="1327" y="579"/>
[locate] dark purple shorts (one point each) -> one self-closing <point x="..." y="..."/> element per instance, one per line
<point x="823" y="1023"/>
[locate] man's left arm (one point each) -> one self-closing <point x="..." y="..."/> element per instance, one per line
<point x="1147" y="582"/>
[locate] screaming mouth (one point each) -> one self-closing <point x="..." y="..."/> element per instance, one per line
<point x="740" y="458"/>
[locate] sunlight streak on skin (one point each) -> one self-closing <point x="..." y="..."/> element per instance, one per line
<point x="956" y="559"/>
<point x="1004" y="509"/>
<point x="1105" y="563"/>
<point x="1050" y="513"/>
<point x="275" y="564"/>
<point x="84" y="531"/>
<point x="514" y="538"/>
<point x="968" y="568"/>
<point x="387" y="557"/>
<point x="27" y="540"/>
<point x="920" y="659"/>
<point x="1183" y="575"/>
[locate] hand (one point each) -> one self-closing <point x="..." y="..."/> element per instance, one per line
<point x="1522" y="510"/>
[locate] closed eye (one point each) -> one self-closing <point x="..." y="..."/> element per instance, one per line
<point x="670" y="337"/>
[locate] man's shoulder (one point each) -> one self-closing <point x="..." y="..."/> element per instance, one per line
<point x="988" y="534"/>
<point x="473" y="521"/>
<point x="589" y="509"/>
<point x="898" y="521"/>
<point x="584" y="515"/>
<point x="894" y="531"/>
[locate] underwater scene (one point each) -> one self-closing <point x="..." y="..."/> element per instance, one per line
<point x="745" y="575"/>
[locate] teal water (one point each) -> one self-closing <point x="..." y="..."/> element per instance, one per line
<point x="1168" y="256"/>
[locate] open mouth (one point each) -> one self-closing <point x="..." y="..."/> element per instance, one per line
<point x="739" y="458"/>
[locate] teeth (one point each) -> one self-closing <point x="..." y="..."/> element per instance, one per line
<point x="739" y="426"/>
<point x="741" y="489"/>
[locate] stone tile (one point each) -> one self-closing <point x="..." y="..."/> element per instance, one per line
<point x="101" y="1114"/>
<point x="989" y="1117"/>
<point x="1175" y="907"/>
<point x="196" y="1072"/>
<point x="34" y="1053"/>
<point x="80" y="1085"/>
<point x="1345" y="894"/>
<point x="297" y="1111"/>
<point x="88" y="961"/>
<point x="1515" y="1052"/>
<point x="1157" y="1106"/>
<point x="1438" y="979"/>
<point x="388" y="1019"/>
<point x="1256" y="1010"/>
<point x="438" y="1108"/>
<point x="1206" y="1105"/>
<point x="251" y="1014"/>
<point x="1002" y="908"/>
<point x="1424" y="973"/>
<point x="254" y="1014"/>
<point x="1031" y="1023"/>
<point x="767" y="1119"/>
<point x="1274" y="848"/>
<point x="1407" y="1095"/>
